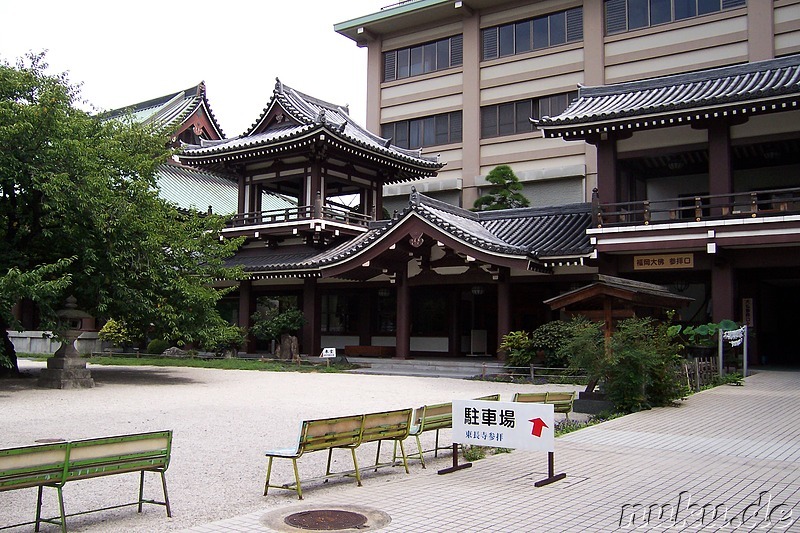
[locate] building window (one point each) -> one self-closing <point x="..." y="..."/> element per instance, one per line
<point x="514" y="117"/>
<point x="339" y="313"/>
<point x="532" y="34"/>
<point x="423" y="58"/>
<point x="425" y="131"/>
<point x="627" y="15"/>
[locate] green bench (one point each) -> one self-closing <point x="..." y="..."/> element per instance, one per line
<point x="54" y="465"/>
<point x="562" y="401"/>
<point x="348" y="432"/>
<point x="436" y="417"/>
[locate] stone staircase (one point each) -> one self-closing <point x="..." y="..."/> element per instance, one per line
<point x="458" y="368"/>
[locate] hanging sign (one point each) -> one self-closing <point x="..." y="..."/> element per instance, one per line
<point x="663" y="261"/>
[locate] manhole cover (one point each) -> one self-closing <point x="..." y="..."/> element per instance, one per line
<point x="326" y="520"/>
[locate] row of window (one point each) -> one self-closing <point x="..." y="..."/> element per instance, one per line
<point x="496" y="120"/>
<point x="424" y="58"/>
<point x="444" y="128"/>
<point x="532" y="34"/>
<point x="514" y="117"/>
<point x="627" y="15"/>
<point x="545" y="31"/>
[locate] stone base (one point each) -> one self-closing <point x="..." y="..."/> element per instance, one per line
<point x="66" y="373"/>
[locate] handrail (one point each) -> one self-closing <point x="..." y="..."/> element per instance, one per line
<point x="299" y="213"/>
<point x="750" y="204"/>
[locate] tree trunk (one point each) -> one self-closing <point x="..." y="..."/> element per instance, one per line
<point x="8" y="350"/>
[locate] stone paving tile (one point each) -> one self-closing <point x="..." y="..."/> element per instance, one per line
<point x="727" y="448"/>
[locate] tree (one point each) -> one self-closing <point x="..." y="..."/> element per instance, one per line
<point x="505" y="191"/>
<point x="73" y="185"/>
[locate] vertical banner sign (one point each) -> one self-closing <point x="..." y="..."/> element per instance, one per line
<point x="522" y="426"/>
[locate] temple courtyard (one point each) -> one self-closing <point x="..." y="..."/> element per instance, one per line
<point x="725" y="459"/>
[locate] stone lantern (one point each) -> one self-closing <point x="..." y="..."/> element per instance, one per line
<point x="67" y="369"/>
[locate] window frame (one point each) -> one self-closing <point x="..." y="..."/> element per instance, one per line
<point x="490" y="126"/>
<point x="617" y="13"/>
<point x="493" y="39"/>
<point x="424" y="131"/>
<point x="422" y="58"/>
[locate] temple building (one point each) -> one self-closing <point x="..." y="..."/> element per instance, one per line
<point x="429" y="279"/>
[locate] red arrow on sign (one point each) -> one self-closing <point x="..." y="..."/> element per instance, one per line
<point x="538" y="424"/>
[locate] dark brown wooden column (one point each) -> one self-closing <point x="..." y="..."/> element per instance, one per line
<point x="503" y="310"/>
<point x="403" y="339"/>
<point x="316" y="187"/>
<point x="312" y="336"/>
<point x="245" y="294"/>
<point x="722" y="290"/>
<point x="242" y="186"/>
<point x="454" y="325"/>
<point x="720" y="172"/>
<point x="366" y="306"/>
<point x="607" y="171"/>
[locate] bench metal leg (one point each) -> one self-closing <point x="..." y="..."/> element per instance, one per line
<point x="269" y="471"/>
<point x="297" y="479"/>
<point x="436" y="447"/>
<point x="419" y="450"/>
<point x="166" y="496"/>
<point x="61" y="510"/>
<point x="355" y="466"/>
<point x="141" y="490"/>
<point x="378" y="456"/>
<point x="403" y="453"/>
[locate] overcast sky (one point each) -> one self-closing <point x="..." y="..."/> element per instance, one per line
<point x="124" y="53"/>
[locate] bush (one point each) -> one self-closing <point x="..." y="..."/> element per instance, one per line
<point x="518" y="348"/>
<point x="157" y="346"/>
<point x="222" y="338"/>
<point x="115" y="332"/>
<point x="549" y="338"/>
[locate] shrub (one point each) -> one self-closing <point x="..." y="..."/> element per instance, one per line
<point x="115" y="332"/>
<point x="222" y="338"/>
<point x="549" y="338"/>
<point x="157" y="346"/>
<point x="518" y="348"/>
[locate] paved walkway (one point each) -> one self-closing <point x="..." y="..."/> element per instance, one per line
<point x="726" y="460"/>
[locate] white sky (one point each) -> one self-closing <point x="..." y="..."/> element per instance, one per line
<point x="129" y="52"/>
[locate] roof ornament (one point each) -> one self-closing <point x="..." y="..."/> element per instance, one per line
<point x="278" y="85"/>
<point x="388" y="142"/>
<point x="342" y="126"/>
<point x="321" y="117"/>
<point x="414" y="198"/>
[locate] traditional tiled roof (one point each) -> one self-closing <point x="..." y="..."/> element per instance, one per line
<point x="171" y="110"/>
<point x="752" y="88"/>
<point x="527" y="234"/>
<point x="196" y="189"/>
<point x="312" y="119"/>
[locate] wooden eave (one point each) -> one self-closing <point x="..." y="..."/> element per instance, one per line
<point x="600" y="291"/>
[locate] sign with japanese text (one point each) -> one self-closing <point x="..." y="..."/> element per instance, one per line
<point x="523" y="426"/>
<point x="663" y="261"/>
<point x="328" y="352"/>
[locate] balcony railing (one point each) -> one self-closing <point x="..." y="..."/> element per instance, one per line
<point x="697" y="208"/>
<point x="297" y="214"/>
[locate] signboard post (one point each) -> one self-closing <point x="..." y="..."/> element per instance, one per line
<point x="327" y="354"/>
<point x="523" y="426"/>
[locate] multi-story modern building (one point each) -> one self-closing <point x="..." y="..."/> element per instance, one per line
<point x="676" y="117"/>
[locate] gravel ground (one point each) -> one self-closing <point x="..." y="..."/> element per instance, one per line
<point x="223" y="422"/>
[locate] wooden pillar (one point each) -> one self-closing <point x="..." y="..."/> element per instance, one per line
<point x="503" y="310"/>
<point x="403" y="339"/>
<point x="245" y="294"/>
<point x="454" y="325"/>
<point x="241" y="205"/>
<point x="365" y="304"/>
<point x="720" y="172"/>
<point x="315" y="190"/>
<point x="607" y="171"/>
<point x="312" y="335"/>
<point x="722" y="290"/>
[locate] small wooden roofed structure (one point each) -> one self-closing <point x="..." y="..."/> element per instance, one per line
<point x="608" y="298"/>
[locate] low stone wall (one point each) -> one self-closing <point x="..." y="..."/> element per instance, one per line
<point x="42" y="342"/>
